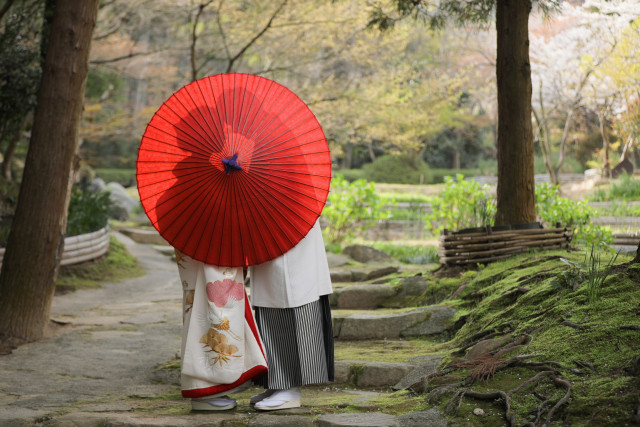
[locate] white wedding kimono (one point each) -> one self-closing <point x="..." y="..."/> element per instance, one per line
<point x="221" y="348"/>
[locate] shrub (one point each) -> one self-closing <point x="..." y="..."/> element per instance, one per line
<point x="440" y="174"/>
<point x="352" y="174"/>
<point x="398" y="169"/>
<point x="461" y="204"/>
<point x="409" y="254"/>
<point x="551" y="209"/>
<point x="350" y="207"/>
<point x="87" y="212"/>
<point x="125" y="177"/>
<point x="626" y="188"/>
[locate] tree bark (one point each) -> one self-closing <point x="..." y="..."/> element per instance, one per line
<point x="29" y="270"/>
<point x="606" y="165"/>
<point x="516" y="185"/>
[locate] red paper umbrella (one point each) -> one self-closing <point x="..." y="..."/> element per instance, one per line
<point x="233" y="170"/>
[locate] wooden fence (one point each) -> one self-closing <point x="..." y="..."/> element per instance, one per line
<point x="491" y="245"/>
<point x="82" y="248"/>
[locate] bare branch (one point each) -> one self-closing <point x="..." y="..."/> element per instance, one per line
<point x="256" y="37"/>
<point x="6" y="8"/>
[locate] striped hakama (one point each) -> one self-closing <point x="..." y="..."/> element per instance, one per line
<point x="298" y="343"/>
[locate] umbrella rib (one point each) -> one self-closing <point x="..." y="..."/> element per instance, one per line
<point x="195" y="147"/>
<point x="183" y="182"/>
<point x="293" y="180"/>
<point x="241" y="115"/>
<point x="252" y="186"/>
<point x="171" y="154"/>
<point x="261" y="180"/>
<point x="266" y="145"/>
<point x="212" y="136"/>
<point x="247" y="115"/>
<point x="259" y="126"/>
<point x="193" y="188"/>
<point x="246" y="184"/>
<point x="203" y="137"/>
<point x="271" y="153"/>
<point x="162" y="180"/>
<point x="215" y="101"/>
<point x="201" y="188"/>
<point x="219" y="131"/>
<point x="282" y="123"/>
<point x="258" y="107"/>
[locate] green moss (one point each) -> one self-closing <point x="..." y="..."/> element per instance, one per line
<point x="117" y="265"/>
<point x="491" y="302"/>
<point x="400" y="350"/>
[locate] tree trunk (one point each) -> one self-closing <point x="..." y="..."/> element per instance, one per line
<point x="516" y="185"/>
<point x="29" y="270"/>
<point x="606" y="166"/>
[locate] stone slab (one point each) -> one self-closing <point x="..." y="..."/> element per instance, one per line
<point x="370" y="419"/>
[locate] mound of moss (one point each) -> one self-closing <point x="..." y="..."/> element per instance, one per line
<point x="540" y="345"/>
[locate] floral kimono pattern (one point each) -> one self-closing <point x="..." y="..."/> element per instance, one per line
<point x="221" y="348"/>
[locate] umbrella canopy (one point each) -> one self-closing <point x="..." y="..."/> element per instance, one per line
<point x="233" y="170"/>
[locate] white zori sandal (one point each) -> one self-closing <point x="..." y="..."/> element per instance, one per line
<point x="221" y="403"/>
<point x="280" y="399"/>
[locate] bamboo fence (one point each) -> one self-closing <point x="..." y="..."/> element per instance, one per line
<point x="626" y="239"/>
<point x="491" y="245"/>
<point x="82" y="248"/>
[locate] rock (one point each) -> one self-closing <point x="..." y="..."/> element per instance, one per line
<point x="342" y="370"/>
<point x="97" y="186"/>
<point x="411" y="286"/>
<point x="381" y="272"/>
<point x="364" y="297"/>
<point x="417" y="374"/>
<point x="341" y="276"/>
<point x="438" y="322"/>
<point x="431" y="418"/>
<point x="372" y="326"/>
<point x="375" y="419"/>
<point x="336" y="260"/>
<point x="366" y="254"/>
<point x="358" y="275"/>
<point x="478" y="411"/>
<point x="486" y="346"/>
<point x="268" y="420"/>
<point x="382" y="374"/>
<point x="121" y="203"/>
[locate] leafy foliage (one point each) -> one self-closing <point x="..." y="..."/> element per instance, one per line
<point x="552" y="209"/>
<point x="87" y="212"/>
<point x="462" y="203"/>
<point x="398" y="169"/>
<point x="627" y="188"/>
<point x="351" y="207"/>
<point x="410" y="254"/>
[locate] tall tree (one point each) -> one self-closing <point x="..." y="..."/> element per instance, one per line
<point x="516" y="185"/>
<point x="30" y="265"/>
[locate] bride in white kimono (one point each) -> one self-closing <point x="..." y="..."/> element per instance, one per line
<point x="221" y="347"/>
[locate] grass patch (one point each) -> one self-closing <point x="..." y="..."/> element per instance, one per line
<point x="419" y="254"/>
<point x="117" y="265"/>
<point x="625" y="188"/>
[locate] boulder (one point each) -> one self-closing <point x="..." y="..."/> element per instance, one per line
<point x="122" y="204"/>
<point x="428" y="366"/>
<point x="431" y="418"/>
<point x="381" y="272"/>
<point x="411" y="286"/>
<point x="363" y="297"/>
<point x="382" y="374"/>
<point x="366" y="254"/>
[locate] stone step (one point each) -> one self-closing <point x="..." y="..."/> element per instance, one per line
<point x="367" y="296"/>
<point x="390" y="324"/>
<point x="397" y="375"/>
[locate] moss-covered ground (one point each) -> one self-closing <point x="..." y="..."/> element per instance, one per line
<point x="117" y="265"/>
<point x="594" y="344"/>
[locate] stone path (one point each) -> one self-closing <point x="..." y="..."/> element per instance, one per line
<point x="112" y="357"/>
